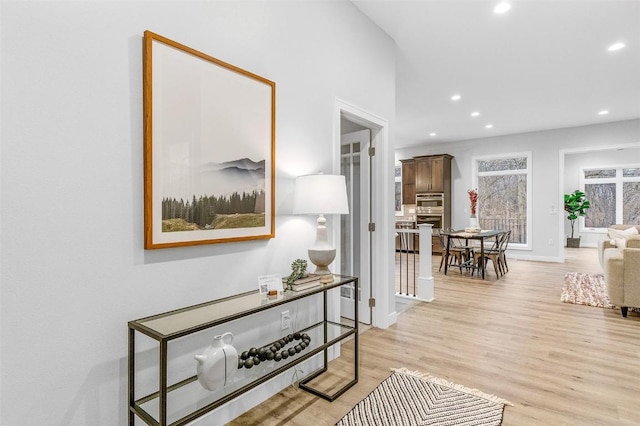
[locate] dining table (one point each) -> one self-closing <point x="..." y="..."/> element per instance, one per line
<point x="482" y="236"/>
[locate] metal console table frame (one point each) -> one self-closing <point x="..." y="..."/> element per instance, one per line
<point x="172" y="325"/>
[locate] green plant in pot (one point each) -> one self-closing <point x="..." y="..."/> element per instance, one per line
<point x="298" y="270"/>
<point x="576" y="205"/>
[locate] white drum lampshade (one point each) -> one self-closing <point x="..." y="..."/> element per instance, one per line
<point x="321" y="194"/>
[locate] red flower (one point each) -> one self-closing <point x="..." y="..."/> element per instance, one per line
<point x="473" y="197"/>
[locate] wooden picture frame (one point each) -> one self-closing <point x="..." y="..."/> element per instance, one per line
<point x="209" y="149"/>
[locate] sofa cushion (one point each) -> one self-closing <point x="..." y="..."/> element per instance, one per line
<point x="618" y="236"/>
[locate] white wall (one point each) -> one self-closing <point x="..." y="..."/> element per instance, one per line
<point x="546" y="147"/>
<point x="74" y="270"/>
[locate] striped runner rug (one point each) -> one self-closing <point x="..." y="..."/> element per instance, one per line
<point x="412" y="398"/>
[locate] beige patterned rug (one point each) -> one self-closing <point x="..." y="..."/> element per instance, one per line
<point x="412" y="398"/>
<point x="587" y="289"/>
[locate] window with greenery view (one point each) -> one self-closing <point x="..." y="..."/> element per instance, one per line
<point x="503" y="184"/>
<point x="614" y="194"/>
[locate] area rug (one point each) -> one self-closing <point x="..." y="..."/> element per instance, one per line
<point x="412" y="398"/>
<point x="587" y="289"/>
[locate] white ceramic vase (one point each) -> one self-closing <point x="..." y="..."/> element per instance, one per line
<point x="218" y="363"/>
<point x="473" y="222"/>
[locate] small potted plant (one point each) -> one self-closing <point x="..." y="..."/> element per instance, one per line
<point x="576" y="205"/>
<point x="298" y="270"/>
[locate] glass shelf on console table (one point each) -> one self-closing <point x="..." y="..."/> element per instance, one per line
<point x="188" y="399"/>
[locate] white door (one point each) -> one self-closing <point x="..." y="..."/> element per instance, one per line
<point x="355" y="237"/>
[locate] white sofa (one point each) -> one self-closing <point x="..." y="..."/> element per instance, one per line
<point x="621" y="264"/>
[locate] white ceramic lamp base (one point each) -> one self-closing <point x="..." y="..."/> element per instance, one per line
<point x="322" y="259"/>
<point x="322" y="253"/>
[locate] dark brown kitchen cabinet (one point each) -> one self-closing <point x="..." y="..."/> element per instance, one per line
<point x="408" y="181"/>
<point x="433" y="173"/>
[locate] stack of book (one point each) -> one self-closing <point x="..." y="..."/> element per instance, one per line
<point x="305" y="283"/>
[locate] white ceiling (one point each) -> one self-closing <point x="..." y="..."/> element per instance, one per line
<point x="542" y="65"/>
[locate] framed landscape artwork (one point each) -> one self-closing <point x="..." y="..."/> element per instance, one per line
<point x="209" y="146"/>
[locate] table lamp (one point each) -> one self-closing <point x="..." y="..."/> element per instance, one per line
<point x="321" y="194"/>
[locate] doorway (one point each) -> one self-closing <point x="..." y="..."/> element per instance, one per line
<point x="379" y="231"/>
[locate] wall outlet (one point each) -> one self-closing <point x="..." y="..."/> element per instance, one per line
<point x="285" y="320"/>
<point x="550" y="242"/>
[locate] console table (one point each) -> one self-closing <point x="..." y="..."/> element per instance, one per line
<point x="172" y="325"/>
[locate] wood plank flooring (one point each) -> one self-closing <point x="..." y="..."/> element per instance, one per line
<point x="558" y="363"/>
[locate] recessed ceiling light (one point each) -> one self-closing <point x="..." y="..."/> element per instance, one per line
<point x="603" y="112"/>
<point x="456" y="97"/>
<point x="502" y="7"/>
<point x="475" y="114"/>
<point x="432" y="134"/>
<point x="489" y="126"/>
<point x="616" y="46"/>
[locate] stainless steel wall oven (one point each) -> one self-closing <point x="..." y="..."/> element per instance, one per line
<point x="435" y="220"/>
<point x="429" y="204"/>
<point x="430" y="209"/>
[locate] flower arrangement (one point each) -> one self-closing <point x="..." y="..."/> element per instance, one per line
<point x="473" y="198"/>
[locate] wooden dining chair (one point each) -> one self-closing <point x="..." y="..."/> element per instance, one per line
<point x="462" y="253"/>
<point x="502" y="257"/>
<point x="493" y="254"/>
<point x="443" y="248"/>
<point x="455" y="253"/>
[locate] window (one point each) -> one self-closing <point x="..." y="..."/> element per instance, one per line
<point x="614" y="195"/>
<point x="504" y="188"/>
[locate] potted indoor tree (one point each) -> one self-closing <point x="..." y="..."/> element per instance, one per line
<point x="576" y="205"/>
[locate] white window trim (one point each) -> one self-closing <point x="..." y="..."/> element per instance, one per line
<point x="618" y="180"/>
<point x="527" y="172"/>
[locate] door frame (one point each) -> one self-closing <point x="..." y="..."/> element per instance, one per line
<point x="382" y="273"/>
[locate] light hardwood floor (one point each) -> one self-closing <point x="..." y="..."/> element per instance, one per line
<point x="558" y="363"/>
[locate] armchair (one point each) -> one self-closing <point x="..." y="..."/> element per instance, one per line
<point x="622" y="272"/>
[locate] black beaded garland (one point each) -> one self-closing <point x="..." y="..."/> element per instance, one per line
<point x="275" y="351"/>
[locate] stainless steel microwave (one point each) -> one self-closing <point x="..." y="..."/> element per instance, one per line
<point x="429" y="203"/>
